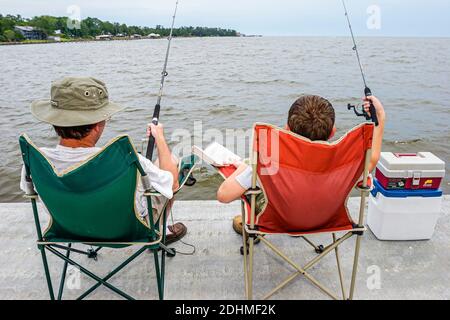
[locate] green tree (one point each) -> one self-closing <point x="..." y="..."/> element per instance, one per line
<point x="44" y="23"/>
<point x="91" y="27"/>
<point x="9" y="35"/>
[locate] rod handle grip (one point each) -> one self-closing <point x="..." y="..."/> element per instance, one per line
<point x="151" y="139"/>
<point x="373" y="111"/>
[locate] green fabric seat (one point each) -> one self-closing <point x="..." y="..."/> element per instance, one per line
<point x="93" y="203"/>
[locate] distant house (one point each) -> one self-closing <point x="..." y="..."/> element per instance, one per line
<point x="136" y="36"/>
<point x="31" y="33"/>
<point x="103" y="37"/>
<point x="154" y="36"/>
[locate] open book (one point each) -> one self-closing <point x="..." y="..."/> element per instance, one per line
<point x="216" y="155"/>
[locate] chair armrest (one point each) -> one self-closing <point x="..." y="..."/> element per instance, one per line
<point x="146" y="183"/>
<point x="249" y="192"/>
<point x="153" y="193"/>
<point x="30" y="193"/>
<point x="31" y="196"/>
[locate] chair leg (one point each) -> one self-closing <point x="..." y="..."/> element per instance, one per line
<point x="89" y="273"/>
<point x="341" y="278"/>
<point x="250" y="266"/>
<point x="158" y="275"/>
<point x="163" y="270"/>
<point x="47" y="273"/>
<point x="303" y="270"/>
<point x="317" y="248"/>
<point x="63" y="275"/>
<point x="163" y="255"/>
<point x="355" y="267"/>
<point x="112" y="273"/>
<point x="245" y="254"/>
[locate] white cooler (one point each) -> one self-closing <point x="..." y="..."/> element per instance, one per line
<point x="403" y="214"/>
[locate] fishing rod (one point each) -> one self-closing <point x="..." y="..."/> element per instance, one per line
<point x="367" y="91"/>
<point x="164" y="74"/>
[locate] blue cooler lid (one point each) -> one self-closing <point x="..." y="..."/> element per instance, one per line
<point x="404" y="193"/>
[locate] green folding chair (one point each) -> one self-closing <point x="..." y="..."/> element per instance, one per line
<point x="93" y="204"/>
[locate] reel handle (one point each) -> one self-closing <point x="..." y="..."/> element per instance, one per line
<point x="373" y="111"/>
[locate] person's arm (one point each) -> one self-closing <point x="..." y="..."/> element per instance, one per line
<point x="231" y="189"/>
<point x="166" y="161"/>
<point x="378" y="132"/>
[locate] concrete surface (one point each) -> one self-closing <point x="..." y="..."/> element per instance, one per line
<point x="406" y="270"/>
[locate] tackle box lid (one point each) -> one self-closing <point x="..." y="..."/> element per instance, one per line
<point x="396" y="165"/>
<point x="404" y="193"/>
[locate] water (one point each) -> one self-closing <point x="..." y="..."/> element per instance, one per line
<point x="228" y="83"/>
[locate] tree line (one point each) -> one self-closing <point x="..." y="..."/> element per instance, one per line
<point x="91" y="27"/>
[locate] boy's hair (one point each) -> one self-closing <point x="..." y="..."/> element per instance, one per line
<point x="312" y="117"/>
<point x="77" y="133"/>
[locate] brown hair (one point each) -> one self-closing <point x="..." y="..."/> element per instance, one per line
<point x="77" y="133"/>
<point x="312" y="117"/>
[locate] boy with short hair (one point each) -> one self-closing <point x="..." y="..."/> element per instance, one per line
<point x="312" y="117"/>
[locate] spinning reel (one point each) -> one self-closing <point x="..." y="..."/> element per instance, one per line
<point x="373" y="113"/>
<point x="359" y="114"/>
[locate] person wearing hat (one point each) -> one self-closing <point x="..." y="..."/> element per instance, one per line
<point x="78" y="111"/>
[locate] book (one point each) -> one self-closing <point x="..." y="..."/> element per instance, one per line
<point x="216" y="155"/>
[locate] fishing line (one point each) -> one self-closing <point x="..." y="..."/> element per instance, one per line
<point x="164" y="74"/>
<point x="155" y="118"/>
<point x="185" y="243"/>
<point x="355" y="47"/>
<point x="367" y="91"/>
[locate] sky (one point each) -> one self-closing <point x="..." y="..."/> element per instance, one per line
<point x="412" y="18"/>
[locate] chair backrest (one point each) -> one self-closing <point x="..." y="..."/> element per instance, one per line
<point x="93" y="201"/>
<point x="306" y="182"/>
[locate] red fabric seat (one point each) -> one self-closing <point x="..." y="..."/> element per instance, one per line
<point x="306" y="183"/>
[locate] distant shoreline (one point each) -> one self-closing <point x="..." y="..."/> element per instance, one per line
<point x="98" y="40"/>
<point x="196" y="37"/>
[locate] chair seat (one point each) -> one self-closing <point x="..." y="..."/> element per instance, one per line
<point x="107" y="244"/>
<point x="264" y="230"/>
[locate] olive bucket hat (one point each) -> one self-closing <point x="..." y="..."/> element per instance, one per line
<point x="75" y="102"/>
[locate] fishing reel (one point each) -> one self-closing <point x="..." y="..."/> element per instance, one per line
<point x="190" y="180"/>
<point x="373" y="112"/>
<point x="185" y="172"/>
<point x="363" y="112"/>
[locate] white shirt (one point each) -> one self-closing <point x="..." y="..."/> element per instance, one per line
<point x="245" y="178"/>
<point x="65" y="157"/>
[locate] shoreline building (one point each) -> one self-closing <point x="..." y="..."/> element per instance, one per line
<point x="31" y="33"/>
<point x="154" y="36"/>
<point x="103" y="37"/>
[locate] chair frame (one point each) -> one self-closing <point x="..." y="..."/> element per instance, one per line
<point x="250" y="234"/>
<point x="157" y="244"/>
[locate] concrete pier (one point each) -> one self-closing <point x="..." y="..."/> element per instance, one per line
<point x="405" y="270"/>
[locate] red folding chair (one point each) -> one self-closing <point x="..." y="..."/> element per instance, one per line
<point x="306" y="185"/>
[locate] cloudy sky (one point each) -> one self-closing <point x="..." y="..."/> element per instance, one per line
<point x="266" y="17"/>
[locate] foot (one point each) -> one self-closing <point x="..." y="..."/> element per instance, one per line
<point x="237" y="226"/>
<point x="177" y="232"/>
